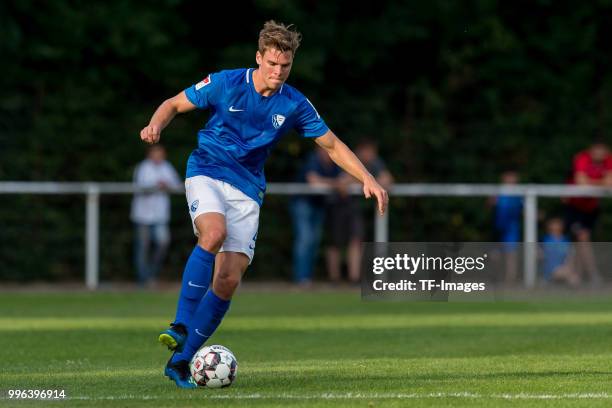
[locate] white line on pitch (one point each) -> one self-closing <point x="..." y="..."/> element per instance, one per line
<point x="351" y="396"/>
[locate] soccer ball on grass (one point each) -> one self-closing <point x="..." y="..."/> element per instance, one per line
<point x="214" y="367"/>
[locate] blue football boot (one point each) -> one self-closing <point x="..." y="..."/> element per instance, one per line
<point x="179" y="373"/>
<point x="174" y="337"/>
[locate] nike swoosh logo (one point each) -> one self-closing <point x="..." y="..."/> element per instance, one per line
<point x="232" y="109"/>
<point x="200" y="334"/>
<point x="194" y="285"/>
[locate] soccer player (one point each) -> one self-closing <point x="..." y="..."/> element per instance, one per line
<point x="251" y="109"/>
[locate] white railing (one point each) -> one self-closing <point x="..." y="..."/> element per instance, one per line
<point x="530" y="193"/>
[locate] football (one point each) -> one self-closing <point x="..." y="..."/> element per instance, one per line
<point x="214" y="367"/>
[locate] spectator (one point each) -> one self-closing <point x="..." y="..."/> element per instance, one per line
<point x="557" y="255"/>
<point x="346" y="218"/>
<point x="508" y="217"/>
<point x="151" y="213"/>
<point x="308" y="212"/>
<point x="592" y="166"/>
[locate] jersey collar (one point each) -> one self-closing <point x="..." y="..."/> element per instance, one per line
<point x="249" y="80"/>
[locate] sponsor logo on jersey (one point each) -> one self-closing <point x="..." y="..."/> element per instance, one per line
<point x="277" y="120"/>
<point x="202" y="83"/>
<point x="194" y="205"/>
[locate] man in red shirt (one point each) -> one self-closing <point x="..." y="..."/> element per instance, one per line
<point x="592" y="166"/>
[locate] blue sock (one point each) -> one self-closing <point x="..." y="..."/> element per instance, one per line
<point x="196" y="279"/>
<point x="204" y="323"/>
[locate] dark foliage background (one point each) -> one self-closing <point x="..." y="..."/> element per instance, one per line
<point x="453" y="92"/>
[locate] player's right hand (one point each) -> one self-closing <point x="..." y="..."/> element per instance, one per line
<point x="150" y="134"/>
<point x="372" y="188"/>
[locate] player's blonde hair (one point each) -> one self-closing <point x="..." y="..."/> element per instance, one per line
<point x="278" y="36"/>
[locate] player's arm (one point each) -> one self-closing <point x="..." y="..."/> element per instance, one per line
<point x="163" y="115"/>
<point x="346" y="159"/>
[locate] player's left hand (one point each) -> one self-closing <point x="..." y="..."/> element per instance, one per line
<point x="372" y="188"/>
<point x="150" y="134"/>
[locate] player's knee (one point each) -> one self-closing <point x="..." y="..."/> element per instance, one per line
<point x="226" y="285"/>
<point x="212" y="239"/>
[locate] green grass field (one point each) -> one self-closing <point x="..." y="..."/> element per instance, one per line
<point x="313" y="349"/>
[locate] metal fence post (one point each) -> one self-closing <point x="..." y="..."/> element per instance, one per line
<point x="530" y="238"/>
<point x="92" y="225"/>
<point x="381" y="226"/>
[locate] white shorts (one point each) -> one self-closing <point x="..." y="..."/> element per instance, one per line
<point x="205" y="195"/>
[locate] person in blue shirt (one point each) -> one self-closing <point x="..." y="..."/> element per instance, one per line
<point x="557" y="255"/>
<point x="308" y="214"/>
<point x="251" y="109"/>
<point x="508" y="218"/>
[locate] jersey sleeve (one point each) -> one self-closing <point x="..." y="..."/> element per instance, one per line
<point x="309" y="122"/>
<point x="207" y="92"/>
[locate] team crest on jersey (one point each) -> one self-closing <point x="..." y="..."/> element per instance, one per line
<point x="202" y="83"/>
<point x="277" y="120"/>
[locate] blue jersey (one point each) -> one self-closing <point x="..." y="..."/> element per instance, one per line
<point x="508" y="210"/>
<point x="244" y="126"/>
<point x="556" y="251"/>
